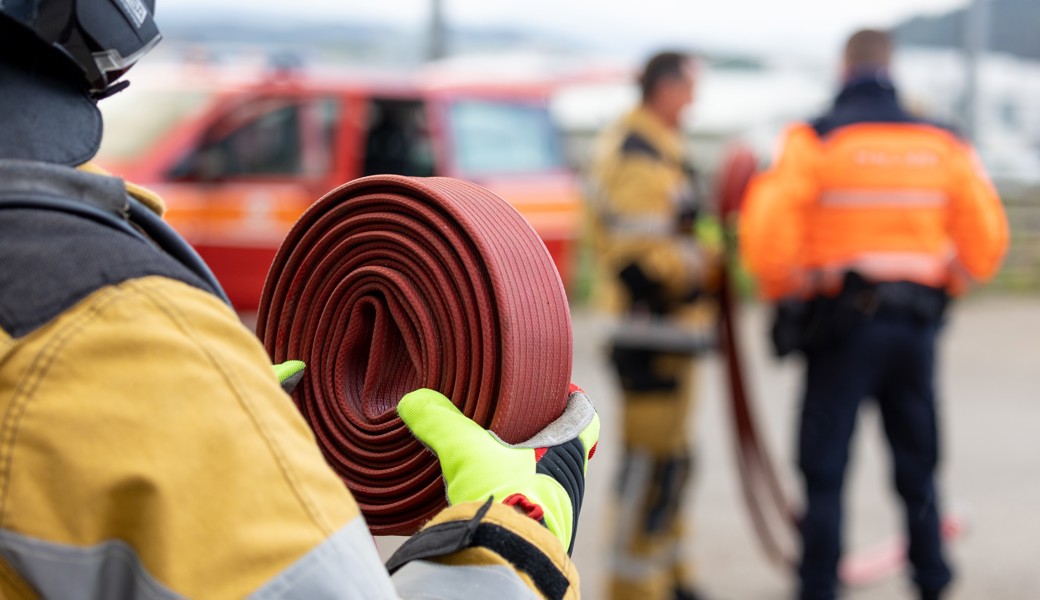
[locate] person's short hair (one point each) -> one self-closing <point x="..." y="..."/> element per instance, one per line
<point x="868" y="48"/>
<point x="660" y="67"/>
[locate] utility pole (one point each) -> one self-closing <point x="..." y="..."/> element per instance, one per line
<point x="438" y="33"/>
<point x="976" y="39"/>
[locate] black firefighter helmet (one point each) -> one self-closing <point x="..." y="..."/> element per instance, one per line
<point x="57" y="59"/>
<point x="104" y="38"/>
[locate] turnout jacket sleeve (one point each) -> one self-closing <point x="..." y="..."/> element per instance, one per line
<point x="484" y="550"/>
<point x="774" y="217"/>
<point x="977" y="225"/>
<point x="148" y="450"/>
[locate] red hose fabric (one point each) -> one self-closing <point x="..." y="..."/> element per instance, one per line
<point x="771" y="512"/>
<point x="388" y="284"/>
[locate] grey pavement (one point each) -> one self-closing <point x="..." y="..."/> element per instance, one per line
<point x="990" y="407"/>
<point x="989" y="377"/>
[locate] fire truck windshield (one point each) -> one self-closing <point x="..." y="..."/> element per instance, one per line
<point x="496" y="137"/>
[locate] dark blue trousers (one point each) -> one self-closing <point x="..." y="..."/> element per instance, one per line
<point x="890" y="359"/>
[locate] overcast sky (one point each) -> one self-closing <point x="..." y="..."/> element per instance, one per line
<point x="805" y="27"/>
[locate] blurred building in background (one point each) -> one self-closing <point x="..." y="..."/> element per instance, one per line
<point x="744" y="94"/>
<point x="747" y="92"/>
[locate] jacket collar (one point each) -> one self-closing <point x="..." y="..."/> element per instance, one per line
<point x="666" y="140"/>
<point x="875" y="85"/>
<point x="28" y="177"/>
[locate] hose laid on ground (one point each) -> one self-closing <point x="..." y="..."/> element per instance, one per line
<point x="388" y="284"/>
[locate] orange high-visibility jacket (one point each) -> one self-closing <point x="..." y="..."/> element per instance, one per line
<point x="891" y="201"/>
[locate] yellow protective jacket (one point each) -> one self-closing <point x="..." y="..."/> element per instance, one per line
<point x="891" y="201"/>
<point x="147" y="451"/>
<point x="638" y="194"/>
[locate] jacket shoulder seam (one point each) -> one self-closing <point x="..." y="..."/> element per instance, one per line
<point x="27" y="385"/>
<point x="178" y="318"/>
<point x="39" y="283"/>
<point x="635" y="144"/>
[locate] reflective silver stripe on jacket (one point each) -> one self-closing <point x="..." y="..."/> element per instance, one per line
<point x="921" y="267"/>
<point x="110" y="569"/>
<point x="639" y="225"/>
<point x="423" y="580"/>
<point x="884" y="198"/>
<point x="345" y="566"/>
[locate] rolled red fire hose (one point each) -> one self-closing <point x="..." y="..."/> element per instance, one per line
<point x="388" y="284"/>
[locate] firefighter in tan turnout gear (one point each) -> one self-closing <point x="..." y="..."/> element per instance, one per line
<point x="652" y="274"/>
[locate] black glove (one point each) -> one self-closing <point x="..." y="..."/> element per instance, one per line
<point x="790" y="320"/>
<point x="690" y="203"/>
<point x="644" y="291"/>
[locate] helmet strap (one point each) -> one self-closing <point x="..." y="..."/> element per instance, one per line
<point x="111" y="90"/>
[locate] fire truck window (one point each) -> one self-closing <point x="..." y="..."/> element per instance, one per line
<point x="398" y="139"/>
<point x="266" y="145"/>
<point x="493" y="137"/>
<point x="266" y="137"/>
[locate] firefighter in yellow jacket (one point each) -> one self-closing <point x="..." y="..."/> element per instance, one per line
<point x="146" y="448"/>
<point x="651" y="273"/>
<point x="868" y="222"/>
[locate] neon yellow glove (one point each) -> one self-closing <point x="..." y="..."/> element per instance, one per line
<point x="544" y="477"/>
<point x="289" y="374"/>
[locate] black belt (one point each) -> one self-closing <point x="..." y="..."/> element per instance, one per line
<point x="900" y="299"/>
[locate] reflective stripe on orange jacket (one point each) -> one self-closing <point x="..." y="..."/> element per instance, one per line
<point x="892" y="201"/>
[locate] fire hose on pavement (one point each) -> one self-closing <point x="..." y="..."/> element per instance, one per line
<point x="388" y="284"/>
